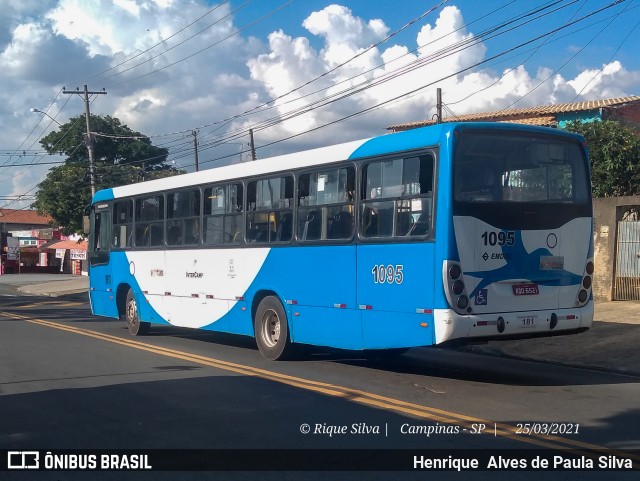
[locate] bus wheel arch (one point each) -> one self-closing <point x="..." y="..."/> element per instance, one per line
<point x="121" y="298"/>
<point x="271" y="327"/>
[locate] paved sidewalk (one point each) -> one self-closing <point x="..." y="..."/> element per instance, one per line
<point x="612" y="344"/>
<point x="62" y="287"/>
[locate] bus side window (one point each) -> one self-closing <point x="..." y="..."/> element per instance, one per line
<point x="325" y="205"/>
<point x="285" y="227"/>
<point x="311" y="225"/>
<point x="122" y="224"/>
<point x="174" y="234"/>
<point x="149" y="217"/>
<point x="223" y="214"/>
<point x="271" y="204"/>
<point x="396" y="195"/>
<point x="183" y="214"/>
<point x="341" y="226"/>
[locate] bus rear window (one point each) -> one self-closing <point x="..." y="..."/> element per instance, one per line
<point x="520" y="167"/>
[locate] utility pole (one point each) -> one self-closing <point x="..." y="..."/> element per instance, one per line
<point x="252" y="145"/>
<point x="439" y="105"/>
<point x="89" y="138"/>
<point x="195" y="146"/>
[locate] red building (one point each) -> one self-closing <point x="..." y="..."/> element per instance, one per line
<point x="31" y="244"/>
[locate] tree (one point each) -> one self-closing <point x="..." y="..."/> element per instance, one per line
<point x="121" y="156"/>
<point x="614" y="152"/>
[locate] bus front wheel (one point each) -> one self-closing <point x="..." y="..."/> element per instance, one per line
<point x="135" y="326"/>
<point x="272" y="330"/>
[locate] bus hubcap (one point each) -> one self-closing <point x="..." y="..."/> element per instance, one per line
<point x="271" y="328"/>
<point x="131" y="312"/>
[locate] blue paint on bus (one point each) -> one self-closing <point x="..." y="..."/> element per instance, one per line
<point x="393" y="291"/>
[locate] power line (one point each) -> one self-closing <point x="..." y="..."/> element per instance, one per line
<point x="314" y="105"/>
<point x="418" y="63"/>
<point x="346" y="93"/>
<point x="379" y="105"/>
<point x="88" y="138"/>
<point x="566" y="62"/>
<point x="183" y="42"/>
<point x="611" y="57"/>
<point x="272" y="12"/>
<point x="162" y="41"/>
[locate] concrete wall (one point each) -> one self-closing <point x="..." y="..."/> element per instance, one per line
<point x="606" y="214"/>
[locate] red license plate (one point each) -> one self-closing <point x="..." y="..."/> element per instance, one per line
<point x="525" y="290"/>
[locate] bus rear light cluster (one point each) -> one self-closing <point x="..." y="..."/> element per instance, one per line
<point x="456" y="290"/>
<point x="587" y="281"/>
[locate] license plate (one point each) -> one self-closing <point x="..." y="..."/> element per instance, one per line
<point x="525" y="290"/>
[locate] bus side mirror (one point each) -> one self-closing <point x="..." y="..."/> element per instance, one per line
<point x="86" y="224"/>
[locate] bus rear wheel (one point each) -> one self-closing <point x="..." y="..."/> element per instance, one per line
<point x="135" y="326"/>
<point x="272" y="330"/>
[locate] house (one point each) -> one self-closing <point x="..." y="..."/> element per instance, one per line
<point x="624" y="109"/>
<point x="31" y="244"/>
<point x="26" y="230"/>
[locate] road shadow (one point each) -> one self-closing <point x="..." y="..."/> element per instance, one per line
<point x="534" y="362"/>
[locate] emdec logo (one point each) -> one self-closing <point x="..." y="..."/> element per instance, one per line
<point x="23" y="460"/>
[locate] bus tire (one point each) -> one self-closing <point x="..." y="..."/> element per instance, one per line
<point x="135" y="326"/>
<point x="272" y="330"/>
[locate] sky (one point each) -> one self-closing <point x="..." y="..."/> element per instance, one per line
<point x="300" y="73"/>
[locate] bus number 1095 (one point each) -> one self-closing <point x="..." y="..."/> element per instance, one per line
<point x="499" y="238"/>
<point x="387" y="274"/>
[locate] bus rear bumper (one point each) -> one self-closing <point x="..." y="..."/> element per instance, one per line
<point x="451" y="326"/>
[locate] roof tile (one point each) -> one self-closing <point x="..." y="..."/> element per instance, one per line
<point x="17" y="216"/>
<point x="527" y="115"/>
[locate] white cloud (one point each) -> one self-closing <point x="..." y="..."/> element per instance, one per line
<point x="47" y="44"/>
<point x="612" y="80"/>
<point x="469" y="90"/>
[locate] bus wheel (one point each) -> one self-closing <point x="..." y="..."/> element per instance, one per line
<point x="135" y="326"/>
<point x="272" y="330"/>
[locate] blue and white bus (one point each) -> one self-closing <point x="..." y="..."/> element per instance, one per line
<point x="453" y="232"/>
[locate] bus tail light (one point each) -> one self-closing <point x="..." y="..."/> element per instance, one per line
<point x="584" y="293"/>
<point x="455" y="289"/>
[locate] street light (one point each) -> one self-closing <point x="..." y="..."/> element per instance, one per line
<point x="42" y="112"/>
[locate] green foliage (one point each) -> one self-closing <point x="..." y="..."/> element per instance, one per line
<point x="614" y="152"/>
<point x="65" y="192"/>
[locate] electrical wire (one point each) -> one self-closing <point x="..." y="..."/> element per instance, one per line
<point x="161" y="41"/>
<point x="324" y="102"/>
<point x="269" y="14"/>
<point x="609" y="61"/>
<point x="183" y="42"/>
<point x="399" y="97"/>
<point x="565" y="63"/>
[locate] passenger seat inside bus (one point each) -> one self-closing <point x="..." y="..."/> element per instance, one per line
<point x="285" y="228"/>
<point x="421" y="226"/>
<point x="312" y="226"/>
<point x="342" y="226"/>
<point x="174" y="235"/>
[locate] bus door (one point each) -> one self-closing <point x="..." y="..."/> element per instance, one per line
<point x="395" y="258"/>
<point x="101" y="291"/>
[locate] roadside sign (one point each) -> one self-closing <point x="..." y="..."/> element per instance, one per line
<point x="78" y="255"/>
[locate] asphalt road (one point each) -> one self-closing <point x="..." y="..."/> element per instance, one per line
<point x="72" y="381"/>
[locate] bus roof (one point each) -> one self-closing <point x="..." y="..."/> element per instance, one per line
<point x="396" y="142"/>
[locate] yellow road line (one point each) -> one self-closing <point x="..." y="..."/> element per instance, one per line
<point x="51" y="303"/>
<point x="355" y="395"/>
